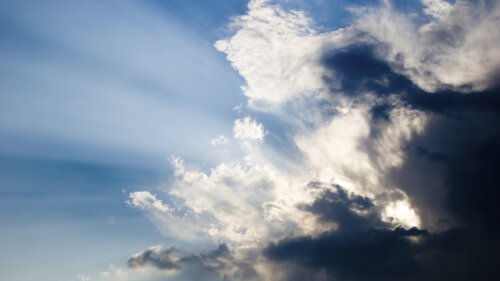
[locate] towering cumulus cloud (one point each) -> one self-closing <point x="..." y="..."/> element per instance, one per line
<point x="393" y="148"/>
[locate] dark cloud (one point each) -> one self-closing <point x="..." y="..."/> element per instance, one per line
<point x="163" y="259"/>
<point x="222" y="261"/>
<point x="450" y="173"/>
<point x="216" y="260"/>
<point x="474" y="183"/>
<point x="378" y="252"/>
<point x="451" y="167"/>
<point x="449" y="164"/>
<point x="348" y="211"/>
<point x="358" y="70"/>
<point x="219" y="261"/>
<point x="365" y="255"/>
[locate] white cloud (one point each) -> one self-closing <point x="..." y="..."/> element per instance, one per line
<point x="146" y="200"/>
<point x="114" y="273"/>
<point x="165" y="217"/>
<point x="81" y="277"/>
<point x="220" y="140"/>
<point x="345" y="152"/>
<point x="455" y="49"/>
<point x="401" y="213"/>
<point x="436" y="8"/>
<point x="243" y="204"/>
<point x="276" y="52"/>
<point x="248" y="129"/>
<point x="345" y="146"/>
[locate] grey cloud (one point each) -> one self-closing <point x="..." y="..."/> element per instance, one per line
<point x="163" y="259"/>
<point x="371" y="250"/>
<point x="345" y="209"/>
<point x="220" y="261"/>
<point x="383" y="254"/>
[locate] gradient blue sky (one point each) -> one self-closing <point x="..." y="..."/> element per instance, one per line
<point x="94" y="96"/>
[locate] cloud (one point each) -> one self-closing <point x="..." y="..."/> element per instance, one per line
<point x="275" y="51"/>
<point x="382" y="254"/>
<point x="453" y="50"/>
<point x="219" y="261"/>
<point x="155" y="256"/>
<point x="248" y="129"/>
<point x="363" y="240"/>
<point x="243" y="204"/>
<point x="83" y="278"/>
<point x="399" y="254"/>
<point x="147" y="201"/>
<point x="167" y="219"/>
<point x="220" y="140"/>
<point x="396" y="173"/>
<point x="437" y="8"/>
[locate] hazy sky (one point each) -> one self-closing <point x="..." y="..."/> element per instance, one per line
<point x="257" y="140"/>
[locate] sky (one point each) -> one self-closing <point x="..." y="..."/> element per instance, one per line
<point x="261" y="140"/>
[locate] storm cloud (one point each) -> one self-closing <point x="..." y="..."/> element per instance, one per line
<point x="365" y="248"/>
<point x="449" y="174"/>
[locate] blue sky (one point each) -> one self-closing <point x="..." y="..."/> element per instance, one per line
<point x="94" y="97"/>
<point x="201" y="126"/>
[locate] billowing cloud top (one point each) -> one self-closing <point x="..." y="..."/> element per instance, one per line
<point x="276" y="52"/>
<point x="395" y="119"/>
